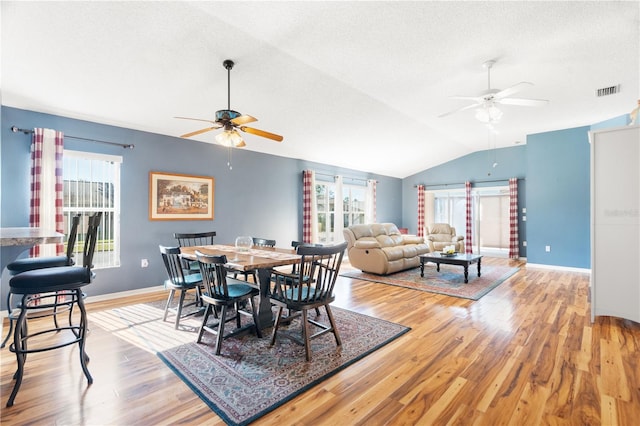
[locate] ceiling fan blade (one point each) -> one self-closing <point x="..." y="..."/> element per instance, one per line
<point x="477" y="99"/>
<point x="523" y="102"/>
<point x="459" y="109"/>
<point x="511" y="90"/>
<point x="196" y="119"/>
<point x="197" y="132"/>
<point x="262" y="133"/>
<point x="243" y="119"/>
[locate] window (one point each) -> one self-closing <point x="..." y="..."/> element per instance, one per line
<point x="91" y="185"/>
<point x="490" y="210"/>
<point x="353" y="208"/>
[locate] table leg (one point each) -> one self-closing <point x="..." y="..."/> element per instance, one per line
<point x="438" y="266"/>
<point x="479" y="260"/>
<point x="265" y="315"/>
<point x="422" y="268"/>
<point x="466" y="273"/>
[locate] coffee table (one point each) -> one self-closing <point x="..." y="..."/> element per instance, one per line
<point x="463" y="260"/>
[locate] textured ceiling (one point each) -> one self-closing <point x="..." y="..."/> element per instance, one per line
<point x="351" y="84"/>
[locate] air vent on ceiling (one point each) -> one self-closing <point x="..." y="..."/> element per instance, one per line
<point x="606" y="91"/>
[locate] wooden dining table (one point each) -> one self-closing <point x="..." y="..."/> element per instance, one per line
<point x="261" y="260"/>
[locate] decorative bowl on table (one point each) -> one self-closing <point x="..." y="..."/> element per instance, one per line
<point x="244" y="243"/>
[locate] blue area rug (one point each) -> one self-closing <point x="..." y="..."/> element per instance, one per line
<point x="449" y="281"/>
<point x="249" y="378"/>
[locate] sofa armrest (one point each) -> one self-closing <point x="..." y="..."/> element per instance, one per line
<point x="366" y="244"/>
<point x="457" y="238"/>
<point x="412" y="239"/>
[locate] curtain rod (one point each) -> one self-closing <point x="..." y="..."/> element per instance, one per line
<point x="15" y="129"/>
<point x="344" y="177"/>
<point x="472" y="182"/>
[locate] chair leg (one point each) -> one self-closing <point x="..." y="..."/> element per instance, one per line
<point x="275" y="326"/>
<point x="166" y="307"/>
<point x="9" y="333"/>
<point x="332" y="321"/>
<point x="20" y="347"/>
<point x="205" y="318"/>
<point x="179" y="311"/>
<point x="83" y="336"/>
<point x="305" y="334"/>
<point x="223" y="317"/>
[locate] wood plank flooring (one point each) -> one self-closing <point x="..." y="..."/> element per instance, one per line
<point x="525" y="354"/>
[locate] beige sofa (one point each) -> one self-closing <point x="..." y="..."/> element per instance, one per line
<point x="381" y="249"/>
<point x="441" y="235"/>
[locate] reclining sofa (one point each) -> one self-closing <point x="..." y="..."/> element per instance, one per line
<point x="380" y="248"/>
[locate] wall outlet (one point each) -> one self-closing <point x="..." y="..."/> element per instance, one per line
<point x="547" y="248"/>
<point x="144" y="263"/>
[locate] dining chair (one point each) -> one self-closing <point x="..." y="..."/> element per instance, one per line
<point x="257" y="242"/>
<point x="63" y="285"/>
<point x="223" y="292"/>
<point x="23" y="265"/>
<point x="178" y="280"/>
<point x="190" y="240"/>
<point x="311" y="288"/>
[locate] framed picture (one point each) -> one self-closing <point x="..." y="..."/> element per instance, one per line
<point x="180" y="197"/>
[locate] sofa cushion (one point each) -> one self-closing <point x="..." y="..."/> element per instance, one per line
<point x="412" y="239"/>
<point x="378" y="229"/>
<point x="367" y="243"/>
<point x="440" y="228"/>
<point x="361" y="231"/>
<point x="393" y="253"/>
<point x="391" y="229"/>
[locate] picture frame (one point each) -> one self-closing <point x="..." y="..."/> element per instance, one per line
<point x="174" y="196"/>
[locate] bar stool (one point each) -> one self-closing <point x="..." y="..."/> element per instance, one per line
<point x="64" y="285"/>
<point x="23" y="265"/>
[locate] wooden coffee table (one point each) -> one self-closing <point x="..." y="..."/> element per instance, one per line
<point x="463" y="260"/>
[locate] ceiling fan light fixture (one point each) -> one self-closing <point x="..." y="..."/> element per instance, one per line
<point x="488" y="114"/>
<point x="230" y="138"/>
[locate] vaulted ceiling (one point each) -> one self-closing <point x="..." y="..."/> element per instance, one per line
<point x="351" y="84"/>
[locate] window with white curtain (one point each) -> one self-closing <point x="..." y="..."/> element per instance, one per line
<point x="353" y="209"/>
<point x="91" y="185"/>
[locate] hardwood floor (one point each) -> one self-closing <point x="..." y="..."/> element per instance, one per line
<point x="525" y="354"/>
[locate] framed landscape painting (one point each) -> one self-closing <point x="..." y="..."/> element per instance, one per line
<point x="180" y="197"/>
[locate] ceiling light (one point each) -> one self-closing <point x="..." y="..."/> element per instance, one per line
<point x="230" y="138"/>
<point x="488" y="114"/>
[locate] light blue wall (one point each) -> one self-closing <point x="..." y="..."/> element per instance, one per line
<point x="558" y="200"/>
<point x="261" y="196"/>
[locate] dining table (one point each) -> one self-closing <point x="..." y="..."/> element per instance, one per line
<point x="261" y="260"/>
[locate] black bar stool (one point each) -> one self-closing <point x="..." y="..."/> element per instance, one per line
<point x="23" y="265"/>
<point x="63" y="284"/>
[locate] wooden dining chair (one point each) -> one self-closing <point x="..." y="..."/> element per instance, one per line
<point x="223" y="292"/>
<point x="178" y="281"/>
<point x="311" y="288"/>
<point x="190" y="240"/>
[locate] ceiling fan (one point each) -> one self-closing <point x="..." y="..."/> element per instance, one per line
<point x="486" y="102"/>
<point x="230" y="120"/>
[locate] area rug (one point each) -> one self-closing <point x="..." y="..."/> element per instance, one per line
<point x="449" y="281"/>
<point x="249" y="378"/>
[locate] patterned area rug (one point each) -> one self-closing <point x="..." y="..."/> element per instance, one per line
<point x="249" y="378"/>
<point x="449" y="281"/>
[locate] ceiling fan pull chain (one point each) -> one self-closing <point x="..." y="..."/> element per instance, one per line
<point x="229" y="159"/>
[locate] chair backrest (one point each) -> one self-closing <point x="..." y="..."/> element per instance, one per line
<point x="263" y="242"/>
<point x="71" y="239"/>
<point x="317" y="274"/>
<point x="91" y="240"/>
<point x="295" y="245"/>
<point x="214" y="275"/>
<point x="173" y="264"/>
<point x="195" y="239"/>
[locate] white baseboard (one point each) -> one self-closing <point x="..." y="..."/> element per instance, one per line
<point x="111" y="296"/>
<point x="558" y="268"/>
